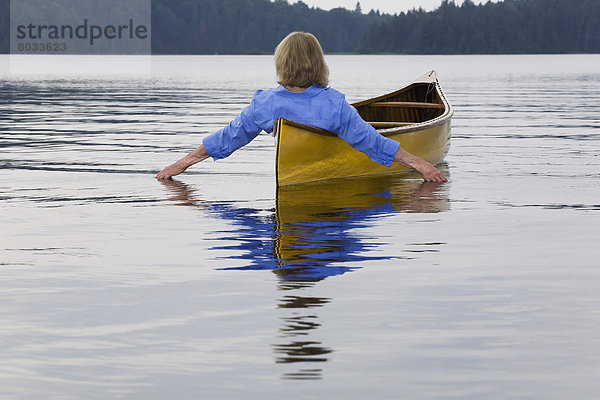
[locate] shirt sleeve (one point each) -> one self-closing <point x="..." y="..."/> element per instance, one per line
<point x="236" y="134"/>
<point x="364" y="138"/>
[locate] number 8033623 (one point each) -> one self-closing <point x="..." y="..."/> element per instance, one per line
<point x="34" y="47"/>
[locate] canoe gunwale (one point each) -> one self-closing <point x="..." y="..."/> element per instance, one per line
<point x="440" y="120"/>
<point x="429" y="78"/>
<point x="309" y="128"/>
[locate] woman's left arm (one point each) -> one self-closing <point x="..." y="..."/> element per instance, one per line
<point x="218" y="145"/>
<point x="178" y="167"/>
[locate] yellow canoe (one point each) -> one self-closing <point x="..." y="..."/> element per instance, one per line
<point x="417" y="116"/>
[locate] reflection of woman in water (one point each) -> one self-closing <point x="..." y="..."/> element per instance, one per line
<point x="311" y="234"/>
<point x="308" y="237"/>
<point x="303" y="96"/>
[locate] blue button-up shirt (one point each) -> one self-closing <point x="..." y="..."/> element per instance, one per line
<point x="324" y="108"/>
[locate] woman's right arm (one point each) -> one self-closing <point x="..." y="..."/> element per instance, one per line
<point x="363" y="137"/>
<point x="427" y="171"/>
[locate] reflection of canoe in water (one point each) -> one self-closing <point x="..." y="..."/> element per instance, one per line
<point x="367" y="195"/>
<point x="314" y="221"/>
<point x="417" y="116"/>
<point x="314" y="231"/>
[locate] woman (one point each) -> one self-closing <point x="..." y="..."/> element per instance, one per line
<point x="303" y="96"/>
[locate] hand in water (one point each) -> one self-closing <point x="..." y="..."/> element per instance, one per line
<point x="171" y="170"/>
<point x="178" y="167"/>
<point x="431" y="174"/>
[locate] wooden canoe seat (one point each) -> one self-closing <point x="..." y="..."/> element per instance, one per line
<point x="409" y="104"/>
<point x="383" y="124"/>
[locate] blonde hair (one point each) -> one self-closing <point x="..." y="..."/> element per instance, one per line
<point x="299" y="61"/>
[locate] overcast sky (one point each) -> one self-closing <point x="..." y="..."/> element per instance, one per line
<point x="387" y="6"/>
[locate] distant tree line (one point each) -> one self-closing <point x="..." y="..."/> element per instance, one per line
<point x="4" y="26"/>
<point x="511" y="26"/>
<point x="250" y="26"/>
<point x="256" y="26"/>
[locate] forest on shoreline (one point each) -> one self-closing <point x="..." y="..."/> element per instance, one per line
<point x="256" y="26"/>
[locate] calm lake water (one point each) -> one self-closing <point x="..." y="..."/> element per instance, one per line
<point x="215" y="286"/>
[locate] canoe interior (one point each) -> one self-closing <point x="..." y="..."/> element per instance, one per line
<point x="416" y="103"/>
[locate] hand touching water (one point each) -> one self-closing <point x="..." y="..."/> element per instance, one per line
<point x="178" y="167"/>
<point x="428" y="171"/>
